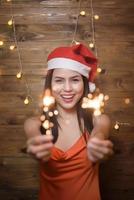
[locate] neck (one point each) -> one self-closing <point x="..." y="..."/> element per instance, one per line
<point x="67" y="114"/>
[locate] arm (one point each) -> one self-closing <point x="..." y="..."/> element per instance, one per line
<point x="38" y="145"/>
<point x="99" y="147"/>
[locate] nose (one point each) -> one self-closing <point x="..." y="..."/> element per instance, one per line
<point x="67" y="86"/>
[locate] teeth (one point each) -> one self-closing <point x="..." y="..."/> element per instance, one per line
<point x="67" y="97"/>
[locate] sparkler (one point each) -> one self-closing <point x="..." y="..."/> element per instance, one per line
<point x="48" y="102"/>
<point x="95" y="103"/>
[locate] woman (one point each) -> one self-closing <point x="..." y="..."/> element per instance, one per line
<point x="69" y="158"/>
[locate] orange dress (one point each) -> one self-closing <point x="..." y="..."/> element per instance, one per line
<point x="69" y="175"/>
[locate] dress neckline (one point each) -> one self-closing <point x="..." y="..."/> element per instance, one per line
<point x="73" y="146"/>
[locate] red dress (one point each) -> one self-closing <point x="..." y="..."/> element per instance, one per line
<point x="69" y="175"/>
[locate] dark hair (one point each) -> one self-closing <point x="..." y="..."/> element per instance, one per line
<point x="86" y="114"/>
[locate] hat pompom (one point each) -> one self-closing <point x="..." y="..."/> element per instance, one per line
<point x="92" y="87"/>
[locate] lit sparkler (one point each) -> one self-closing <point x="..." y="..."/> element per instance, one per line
<point x="45" y="118"/>
<point x="95" y="103"/>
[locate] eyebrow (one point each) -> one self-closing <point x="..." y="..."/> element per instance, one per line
<point x="76" y="76"/>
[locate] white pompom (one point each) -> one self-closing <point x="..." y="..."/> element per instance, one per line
<point x="92" y="87"/>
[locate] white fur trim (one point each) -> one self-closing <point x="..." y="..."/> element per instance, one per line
<point x="92" y="87"/>
<point x="66" y="63"/>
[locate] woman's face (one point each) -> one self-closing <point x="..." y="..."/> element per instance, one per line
<point x="67" y="88"/>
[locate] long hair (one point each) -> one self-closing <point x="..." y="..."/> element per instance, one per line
<point x="85" y="114"/>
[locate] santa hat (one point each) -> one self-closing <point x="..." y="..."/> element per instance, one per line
<point x="78" y="58"/>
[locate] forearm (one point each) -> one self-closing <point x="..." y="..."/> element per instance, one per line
<point x="102" y="126"/>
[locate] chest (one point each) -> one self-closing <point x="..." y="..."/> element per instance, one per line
<point x="68" y="136"/>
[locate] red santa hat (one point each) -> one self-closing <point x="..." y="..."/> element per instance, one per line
<point x="78" y="58"/>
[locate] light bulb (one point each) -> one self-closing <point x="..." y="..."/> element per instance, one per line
<point x="99" y="70"/>
<point x="97" y="112"/>
<point x="116" y="126"/>
<point x="96" y="17"/>
<point x="19" y="75"/>
<point x="50" y="114"/>
<point x="127" y="101"/>
<point x="48" y="132"/>
<point x="106" y="97"/>
<point x="12" y="47"/>
<point x="10" y="22"/>
<point x="56" y="112"/>
<point x="82" y="13"/>
<point x="91" y="45"/>
<point x="26" y="101"/>
<point x="1" y="43"/>
<point x="42" y="117"/>
<point x="46" y="124"/>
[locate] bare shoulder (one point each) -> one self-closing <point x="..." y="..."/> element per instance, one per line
<point x="32" y="127"/>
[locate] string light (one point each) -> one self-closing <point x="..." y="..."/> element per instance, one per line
<point x="26" y="101"/>
<point x="116" y="126"/>
<point x="96" y="17"/>
<point x="19" y="75"/>
<point x="10" y="22"/>
<point x="91" y="45"/>
<point x="106" y="97"/>
<point x="99" y="70"/>
<point x="82" y="13"/>
<point x="127" y="101"/>
<point x="1" y="43"/>
<point x="12" y="47"/>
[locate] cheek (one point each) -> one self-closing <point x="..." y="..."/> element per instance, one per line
<point x="79" y="88"/>
<point x="55" y="88"/>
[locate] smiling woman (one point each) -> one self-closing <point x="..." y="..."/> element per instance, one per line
<point x="69" y="158"/>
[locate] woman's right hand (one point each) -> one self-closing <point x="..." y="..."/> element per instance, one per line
<point x="40" y="146"/>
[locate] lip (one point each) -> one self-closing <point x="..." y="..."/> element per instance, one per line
<point x="67" y="98"/>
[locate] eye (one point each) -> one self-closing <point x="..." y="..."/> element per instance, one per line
<point x="58" y="80"/>
<point x="76" y="80"/>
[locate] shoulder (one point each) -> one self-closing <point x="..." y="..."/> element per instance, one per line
<point x="32" y="126"/>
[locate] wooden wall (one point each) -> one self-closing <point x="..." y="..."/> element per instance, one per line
<point x="40" y="27"/>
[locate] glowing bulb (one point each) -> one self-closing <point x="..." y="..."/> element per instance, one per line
<point x="101" y="96"/>
<point x="77" y="42"/>
<point x="96" y="17"/>
<point x="10" y="22"/>
<point x="82" y="13"/>
<point x="99" y="70"/>
<point x="56" y="112"/>
<point x="97" y="112"/>
<point x="19" y="75"/>
<point x="46" y="124"/>
<point x="48" y="132"/>
<point x="127" y="100"/>
<point x="1" y="43"/>
<point x="106" y="97"/>
<point x="42" y="117"/>
<point x="45" y="109"/>
<point x="84" y="105"/>
<point x="12" y="47"/>
<point x="116" y="126"/>
<point x="26" y="101"/>
<point x="90" y="96"/>
<point x="91" y="45"/>
<point x="9" y="0"/>
<point x="48" y="100"/>
<point x="50" y="114"/>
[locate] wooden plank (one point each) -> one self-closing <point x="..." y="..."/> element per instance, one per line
<point x="22" y="173"/>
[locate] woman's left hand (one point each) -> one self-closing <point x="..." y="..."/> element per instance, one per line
<point x="98" y="149"/>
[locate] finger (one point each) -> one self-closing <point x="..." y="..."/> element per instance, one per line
<point x="42" y="147"/>
<point x="43" y="154"/>
<point x="106" y="143"/>
<point x="40" y="139"/>
<point x="96" y="155"/>
<point x="98" y="148"/>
